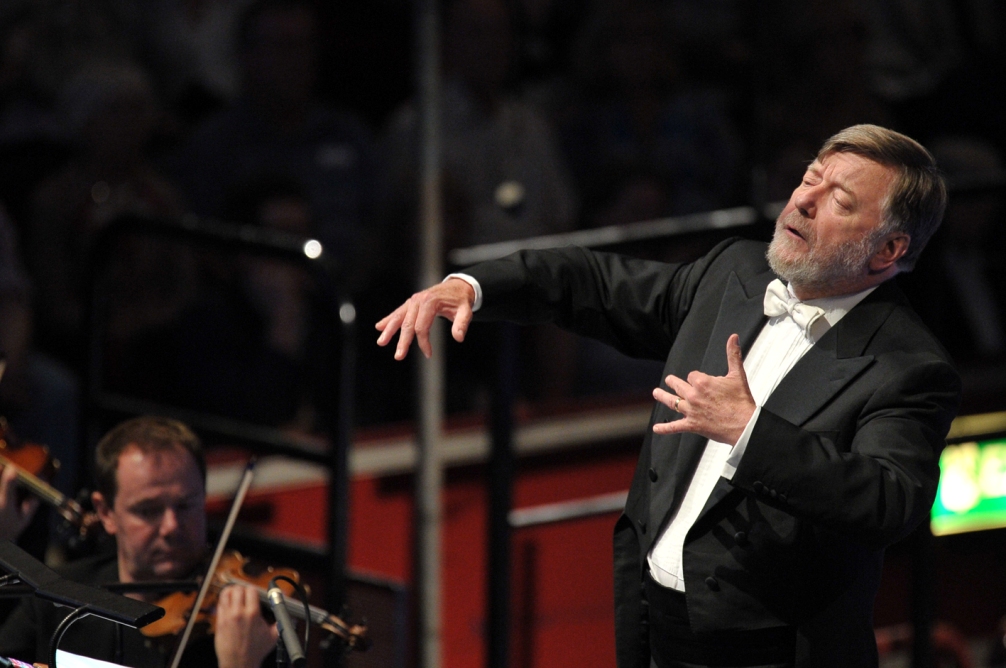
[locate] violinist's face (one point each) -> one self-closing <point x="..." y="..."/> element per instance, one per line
<point x="158" y="516"/>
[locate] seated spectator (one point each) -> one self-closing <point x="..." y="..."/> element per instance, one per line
<point x="645" y="142"/>
<point x="278" y="124"/>
<point x="817" y="82"/>
<point x="504" y="177"/>
<point x="38" y="395"/>
<point x="113" y="113"/>
<point x="190" y="50"/>
<point x="249" y="348"/>
<point x="44" y="44"/>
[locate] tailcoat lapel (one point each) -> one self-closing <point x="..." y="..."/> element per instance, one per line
<point x="831" y="364"/>
<point x="741" y="312"/>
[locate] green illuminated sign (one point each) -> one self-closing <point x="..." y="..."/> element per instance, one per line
<point x="972" y="491"/>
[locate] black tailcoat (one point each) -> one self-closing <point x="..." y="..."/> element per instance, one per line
<point x="842" y="461"/>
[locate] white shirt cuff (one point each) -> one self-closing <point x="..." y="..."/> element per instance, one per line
<point x="475" y="286"/>
<point x="734" y="460"/>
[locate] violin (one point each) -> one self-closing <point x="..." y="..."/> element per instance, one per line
<point x="34" y="465"/>
<point x="231" y="569"/>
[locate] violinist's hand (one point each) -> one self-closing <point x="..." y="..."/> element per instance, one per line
<point x="14" y="515"/>
<point x="243" y="638"/>
<point x="452" y="299"/>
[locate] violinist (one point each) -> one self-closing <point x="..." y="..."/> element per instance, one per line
<point x="150" y="496"/>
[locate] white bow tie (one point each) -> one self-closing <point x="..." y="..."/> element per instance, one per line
<point x="779" y="302"/>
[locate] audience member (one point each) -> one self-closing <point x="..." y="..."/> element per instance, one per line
<point x="43" y="45"/>
<point x="544" y="34"/>
<point x="38" y="395"/>
<point x="250" y="347"/>
<point x="279" y="125"/>
<point x="817" y="82"/>
<point x="191" y="51"/>
<point x="112" y="112"/>
<point x="504" y="177"/>
<point x="645" y="141"/>
<point x="715" y="39"/>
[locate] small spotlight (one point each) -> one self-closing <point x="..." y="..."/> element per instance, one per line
<point x="347" y="313"/>
<point x="312" y="249"/>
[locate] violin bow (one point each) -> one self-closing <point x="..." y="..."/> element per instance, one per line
<point x="232" y="516"/>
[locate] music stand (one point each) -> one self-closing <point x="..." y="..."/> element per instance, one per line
<point x="36" y="578"/>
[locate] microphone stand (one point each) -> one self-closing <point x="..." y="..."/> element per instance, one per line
<point x="282" y="660"/>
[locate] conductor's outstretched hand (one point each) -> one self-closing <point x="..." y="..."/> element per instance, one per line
<point x="452" y="299"/>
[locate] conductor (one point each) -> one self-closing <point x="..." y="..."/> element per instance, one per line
<point x="799" y="423"/>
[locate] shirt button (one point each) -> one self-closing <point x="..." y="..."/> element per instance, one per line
<point x="653" y="476"/>
<point x="773" y="494"/>
<point x="782" y="497"/>
<point x="713" y="583"/>
<point x="741" y="538"/>
<point x="758" y="486"/>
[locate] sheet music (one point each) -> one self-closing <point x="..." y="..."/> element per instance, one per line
<point x="68" y="660"/>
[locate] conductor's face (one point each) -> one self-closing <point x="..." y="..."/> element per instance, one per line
<point x="158" y="516"/>
<point x="827" y="236"/>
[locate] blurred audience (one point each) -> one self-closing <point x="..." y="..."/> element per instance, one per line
<point x="544" y="32"/>
<point x="278" y="125"/>
<point x="39" y="404"/>
<point x="558" y="115"/>
<point x="44" y="44"/>
<point x="38" y="395"/>
<point x="190" y="48"/>
<point x="113" y="113"/>
<point x="247" y="346"/>
<point x="645" y="141"/>
<point x="960" y="290"/>
<point x="817" y="82"/>
<point x="504" y="177"/>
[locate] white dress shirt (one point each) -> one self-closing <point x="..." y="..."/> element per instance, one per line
<point x="779" y="346"/>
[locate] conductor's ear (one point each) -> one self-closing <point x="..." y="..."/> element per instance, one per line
<point x="892" y="249"/>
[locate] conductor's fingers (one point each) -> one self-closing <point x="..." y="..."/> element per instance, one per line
<point x="461" y="322"/>
<point x="735" y="359"/>
<point x="678" y="386"/>
<point x="389" y="324"/>
<point x="408" y="327"/>
<point x="427" y="313"/>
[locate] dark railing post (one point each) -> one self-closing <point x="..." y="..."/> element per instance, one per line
<point x="340" y="434"/>
<point x="501" y="472"/>
<point x="923" y="596"/>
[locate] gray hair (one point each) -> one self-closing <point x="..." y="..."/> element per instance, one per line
<point x="918" y="195"/>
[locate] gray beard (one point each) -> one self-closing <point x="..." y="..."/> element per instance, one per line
<point x="819" y="271"/>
